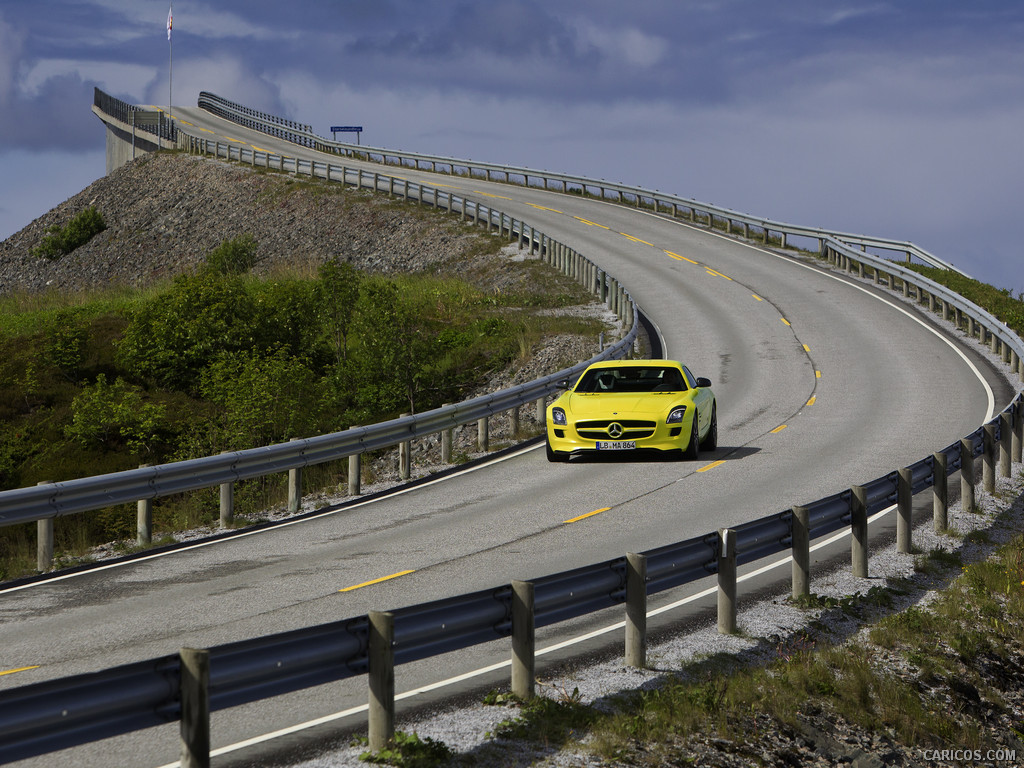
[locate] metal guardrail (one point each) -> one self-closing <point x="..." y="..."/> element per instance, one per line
<point x="126" y="113"/>
<point x="57" y="714"/>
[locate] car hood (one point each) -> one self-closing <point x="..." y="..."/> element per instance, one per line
<point x="589" y="406"/>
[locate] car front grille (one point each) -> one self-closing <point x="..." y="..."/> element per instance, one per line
<point x="633" y="429"/>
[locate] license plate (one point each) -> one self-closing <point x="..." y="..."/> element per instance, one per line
<point x="616" y="445"/>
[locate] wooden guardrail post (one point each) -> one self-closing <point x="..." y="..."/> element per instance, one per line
<point x="636" y="610"/>
<point x="381" y="657"/>
<point x="967" y="475"/>
<point x="294" y="486"/>
<point x="144" y="519"/>
<point x="801" y="552"/>
<point x="904" y="510"/>
<point x="44" y="540"/>
<point x="355" y="474"/>
<point x="988" y="460"/>
<point x="405" y="456"/>
<point x="523" y="640"/>
<point x="1005" y="434"/>
<point x="446" y="443"/>
<point x="195" y="707"/>
<point x="859" y="531"/>
<point x="1018" y="431"/>
<point x="726" y="581"/>
<point x="940" y="492"/>
<point x="482" y="436"/>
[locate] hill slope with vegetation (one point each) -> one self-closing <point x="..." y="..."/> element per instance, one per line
<point x="181" y="307"/>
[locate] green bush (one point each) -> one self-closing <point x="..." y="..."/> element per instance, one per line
<point x="233" y="257"/>
<point x="79" y="231"/>
<point x="114" y="415"/>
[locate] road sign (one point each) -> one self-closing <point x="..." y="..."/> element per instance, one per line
<point x="356" y="129"/>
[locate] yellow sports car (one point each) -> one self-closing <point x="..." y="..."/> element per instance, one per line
<point x="633" y="405"/>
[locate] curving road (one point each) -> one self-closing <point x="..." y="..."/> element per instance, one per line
<point x="822" y="382"/>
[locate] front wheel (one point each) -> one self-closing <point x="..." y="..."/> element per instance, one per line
<point x="692" y="451"/>
<point x="710" y="441"/>
<point x="555" y="455"/>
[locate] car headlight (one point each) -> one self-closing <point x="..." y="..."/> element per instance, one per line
<point x="675" y="416"/>
<point x="558" y="416"/>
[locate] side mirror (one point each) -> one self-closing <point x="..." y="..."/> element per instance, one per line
<point x="702" y="382"/>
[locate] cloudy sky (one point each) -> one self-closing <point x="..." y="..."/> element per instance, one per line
<point x="898" y="119"/>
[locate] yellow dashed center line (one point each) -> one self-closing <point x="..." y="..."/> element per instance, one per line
<point x="261" y="149"/>
<point x="778" y="429"/>
<point x="710" y="271"/>
<point x="757" y="297"/>
<point x="589" y="514"/>
<point x="591" y="223"/>
<point x="806" y="348"/>
<point x="677" y="257"/>
<point x="636" y="239"/>
<point x="784" y="320"/>
<point x="543" y="208"/>
<point x="376" y="581"/>
<point x="817" y="374"/>
<point x="19" y="669"/>
<point x="811" y="401"/>
<point x="488" y="194"/>
<point x="712" y="465"/>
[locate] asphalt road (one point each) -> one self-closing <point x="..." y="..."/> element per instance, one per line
<point x="822" y="382"/>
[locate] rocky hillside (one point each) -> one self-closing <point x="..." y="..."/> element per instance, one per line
<point x="165" y="212"/>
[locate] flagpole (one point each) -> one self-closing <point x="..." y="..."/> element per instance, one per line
<point x="170" y="65"/>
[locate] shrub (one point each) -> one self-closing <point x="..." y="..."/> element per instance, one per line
<point x="80" y="230"/>
<point x="233" y="257"/>
<point x="114" y="415"/>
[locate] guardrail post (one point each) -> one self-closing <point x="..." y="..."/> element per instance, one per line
<point x="355" y="474"/>
<point x="801" y="552"/>
<point x="514" y="421"/>
<point x="1018" y="431"/>
<point x="227" y="502"/>
<point x="195" y="707"/>
<point x="1005" y="432"/>
<point x="940" y="492"/>
<point x="482" y="437"/>
<point x="523" y="641"/>
<point x="44" y="540"/>
<point x="446" y="443"/>
<point x="636" y="610"/>
<point x="988" y="464"/>
<point x="726" y="581"/>
<point x="381" y="657"/>
<point x="859" y="531"/>
<point x="967" y="475"/>
<point x="540" y="413"/>
<point x="294" y="486"/>
<point x="144" y="519"/>
<point x="404" y="456"/>
<point x="904" y="509"/>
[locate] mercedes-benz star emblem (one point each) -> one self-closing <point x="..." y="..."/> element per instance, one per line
<point x="615" y="429"/>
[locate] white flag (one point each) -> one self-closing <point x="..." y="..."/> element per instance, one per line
<point x="169" y="19"/>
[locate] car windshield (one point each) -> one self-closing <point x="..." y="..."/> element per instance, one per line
<point x="632" y="379"/>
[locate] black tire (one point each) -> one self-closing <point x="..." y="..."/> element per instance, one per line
<point x="555" y="455"/>
<point x="710" y="441"/>
<point x="692" y="451"/>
